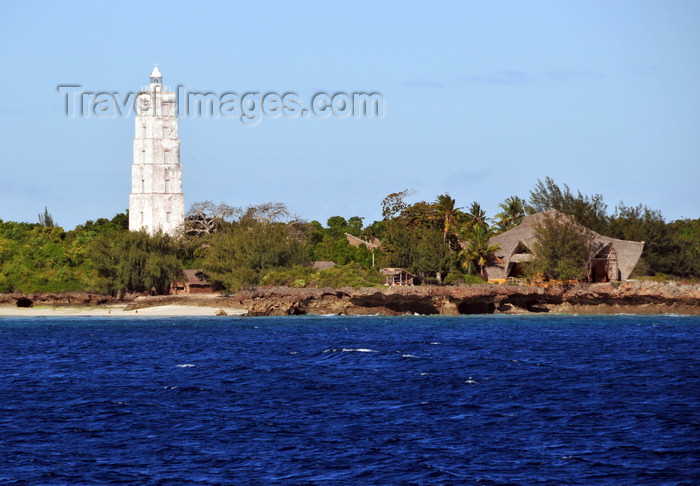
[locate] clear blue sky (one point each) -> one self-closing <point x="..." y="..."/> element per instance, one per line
<point x="481" y="100"/>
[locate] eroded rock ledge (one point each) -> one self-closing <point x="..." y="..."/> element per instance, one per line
<point x="633" y="297"/>
<point x="627" y="297"/>
<point x="62" y="298"/>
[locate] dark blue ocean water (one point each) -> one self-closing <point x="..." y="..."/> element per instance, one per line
<point x="350" y="400"/>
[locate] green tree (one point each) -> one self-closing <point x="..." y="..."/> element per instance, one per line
<point x="420" y="216"/>
<point x="687" y="233"/>
<point x="135" y="261"/>
<point x="355" y="225"/>
<point x="45" y="219"/>
<point x="333" y="248"/>
<point x="331" y="243"/>
<point x="239" y="256"/>
<point x="394" y="203"/>
<point x="512" y="213"/>
<point x="590" y="211"/>
<point x="337" y="226"/>
<point x="662" y="249"/>
<point x="432" y="255"/>
<point x="564" y="249"/>
<point x="35" y="258"/>
<point x="478" y="251"/>
<point x="475" y="216"/>
<point x="419" y="250"/>
<point x="375" y="230"/>
<point x="121" y="221"/>
<point x="399" y="245"/>
<point x="446" y="207"/>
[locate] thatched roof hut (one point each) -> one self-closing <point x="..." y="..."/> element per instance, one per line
<point x="615" y="260"/>
<point x="399" y="277"/>
<point x="195" y="282"/>
<point x="322" y="265"/>
<point x="356" y="242"/>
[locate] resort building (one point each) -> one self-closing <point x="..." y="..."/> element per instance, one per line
<point x="614" y="261"/>
<point x="156" y="201"/>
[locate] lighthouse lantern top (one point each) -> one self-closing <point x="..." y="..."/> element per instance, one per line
<point x="156" y="77"/>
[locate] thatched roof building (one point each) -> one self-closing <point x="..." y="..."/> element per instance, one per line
<point x="356" y="242"/>
<point x="194" y="282"/>
<point x="615" y="260"/>
<point x="397" y="277"/>
<point x="322" y="265"/>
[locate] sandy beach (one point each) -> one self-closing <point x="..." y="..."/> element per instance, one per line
<point x="116" y="311"/>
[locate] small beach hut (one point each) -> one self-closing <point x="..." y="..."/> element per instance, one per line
<point x="195" y="282"/>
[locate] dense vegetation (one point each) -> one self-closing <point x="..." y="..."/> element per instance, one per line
<point x="564" y="250"/>
<point x="263" y="245"/>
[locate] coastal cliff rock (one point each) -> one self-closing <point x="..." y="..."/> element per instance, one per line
<point x="62" y="299"/>
<point x="627" y="297"/>
<point x="633" y="297"/>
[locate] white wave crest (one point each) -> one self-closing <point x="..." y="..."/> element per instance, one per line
<point x="349" y="350"/>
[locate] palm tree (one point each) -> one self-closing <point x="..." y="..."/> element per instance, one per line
<point x="446" y="206"/>
<point x="475" y="216"/>
<point x="478" y="251"/>
<point x="513" y="211"/>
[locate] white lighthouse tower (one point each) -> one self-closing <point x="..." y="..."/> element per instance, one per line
<point x="156" y="200"/>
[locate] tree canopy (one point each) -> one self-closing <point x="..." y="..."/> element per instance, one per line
<point x="564" y="249"/>
<point x="439" y="240"/>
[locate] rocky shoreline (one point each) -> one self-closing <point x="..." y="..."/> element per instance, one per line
<point x="633" y="297"/>
<point x="627" y="297"/>
<point x="63" y="299"/>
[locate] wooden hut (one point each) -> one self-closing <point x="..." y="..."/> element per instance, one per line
<point x="195" y="282"/>
<point x="397" y="277"/>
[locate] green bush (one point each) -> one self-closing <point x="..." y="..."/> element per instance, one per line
<point x="470" y="279"/>
<point x="454" y="278"/>
<point x="459" y="278"/>
<point x="135" y="261"/>
<point x="240" y="256"/>
<point x="350" y="275"/>
<point x="290" y="277"/>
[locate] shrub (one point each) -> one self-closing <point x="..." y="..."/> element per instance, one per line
<point x="350" y="275"/>
<point x="288" y="277"/>
<point x="471" y="279"/>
